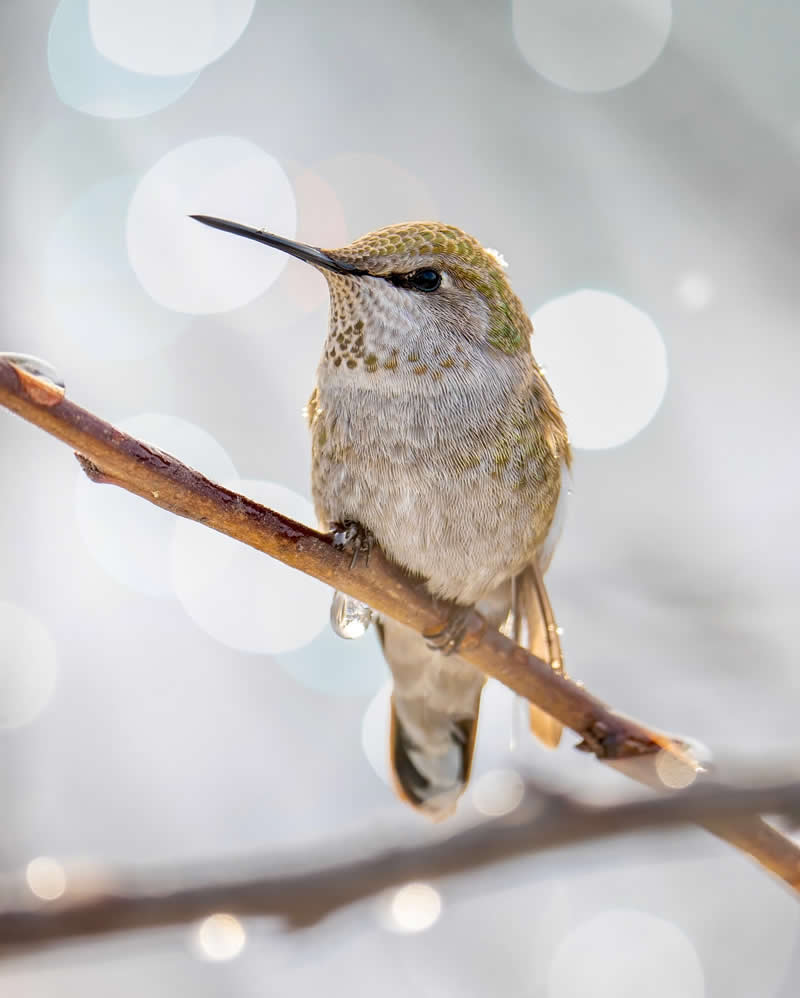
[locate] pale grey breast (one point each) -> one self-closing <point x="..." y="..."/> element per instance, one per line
<point x="444" y="479"/>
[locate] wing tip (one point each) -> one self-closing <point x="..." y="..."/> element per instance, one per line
<point x="546" y="728"/>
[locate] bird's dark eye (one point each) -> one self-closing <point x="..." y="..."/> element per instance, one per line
<point x="425" y="280"/>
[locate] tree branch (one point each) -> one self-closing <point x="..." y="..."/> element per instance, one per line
<point x="110" y="902"/>
<point x="110" y="456"/>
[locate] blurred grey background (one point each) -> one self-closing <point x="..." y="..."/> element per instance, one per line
<point x="166" y="698"/>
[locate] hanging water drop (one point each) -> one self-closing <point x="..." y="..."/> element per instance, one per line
<point x="35" y="366"/>
<point x="350" y="618"/>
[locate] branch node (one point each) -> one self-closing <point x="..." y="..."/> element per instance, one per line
<point x="607" y="744"/>
<point x="92" y="471"/>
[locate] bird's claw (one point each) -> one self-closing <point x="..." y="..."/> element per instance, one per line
<point x="449" y="638"/>
<point x="351" y="535"/>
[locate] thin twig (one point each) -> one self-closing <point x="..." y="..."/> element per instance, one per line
<point x="112" y="902"/>
<point x="110" y="456"/>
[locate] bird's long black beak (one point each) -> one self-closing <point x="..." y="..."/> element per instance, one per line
<point x="309" y="254"/>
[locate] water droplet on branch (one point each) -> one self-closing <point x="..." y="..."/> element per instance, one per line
<point x="350" y="618"/>
<point x="34" y="365"/>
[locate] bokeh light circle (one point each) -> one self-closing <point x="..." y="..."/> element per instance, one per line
<point x="241" y="597"/>
<point x="28" y="666"/>
<point x="621" y="953"/>
<point x="498" y="792"/>
<point x="84" y="79"/>
<point x="130" y="538"/>
<point x="606" y="362"/>
<point x="219" y="937"/>
<point x="673" y="772"/>
<point x="166" y="36"/>
<point x="46" y="878"/>
<point x="414" y="908"/>
<point x="695" y="291"/>
<point x="92" y="293"/>
<point x="188" y="266"/>
<point x="591" y="45"/>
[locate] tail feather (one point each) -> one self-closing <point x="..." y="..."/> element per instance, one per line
<point x="436" y="699"/>
<point x="431" y="777"/>
<point x="534" y="625"/>
<point x="434" y="719"/>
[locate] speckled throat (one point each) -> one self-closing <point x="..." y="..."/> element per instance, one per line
<point x="399" y="248"/>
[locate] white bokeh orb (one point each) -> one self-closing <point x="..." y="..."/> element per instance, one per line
<point x="87" y="81"/>
<point x="128" y="537"/>
<point x="190" y="267"/>
<point x="591" y="45"/>
<point x="166" y="36"/>
<point x="219" y="937"/>
<point x="498" y="792"/>
<point x="414" y="908"/>
<point x="92" y="294"/>
<point x="45" y="878"/>
<point x="677" y="773"/>
<point x="242" y="597"/>
<point x="624" y="953"/>
<point x="695" y="291"/>
<point x="673" y="772"/>
<point x="606" y="363"/>
<point x="28" y="666"/>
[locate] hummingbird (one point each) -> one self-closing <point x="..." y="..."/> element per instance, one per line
<point x="435" y="435"/>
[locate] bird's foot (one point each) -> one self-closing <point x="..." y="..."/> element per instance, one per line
<point x="449" y="638"/>
<point x="349" y="535"/>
